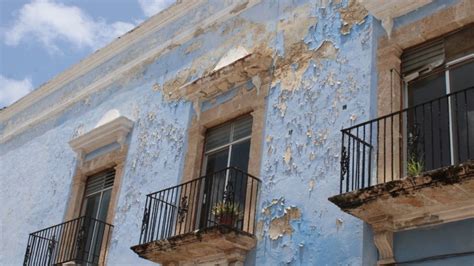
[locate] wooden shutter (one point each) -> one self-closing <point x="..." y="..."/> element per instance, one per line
<point x="423" y="57"/>
<point x="100" y="182"/>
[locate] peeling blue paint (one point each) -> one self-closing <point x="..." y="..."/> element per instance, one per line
<point x="300" y="155"/>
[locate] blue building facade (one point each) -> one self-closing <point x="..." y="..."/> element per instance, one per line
<point x="145" y="106"/>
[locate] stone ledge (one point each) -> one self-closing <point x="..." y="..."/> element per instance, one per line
<point x="435" y="197"/>
<point x="219" y="243"/>
<point x="414" y="201"/>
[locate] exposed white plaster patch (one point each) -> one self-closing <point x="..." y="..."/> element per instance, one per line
<point x="231" y="56"/>
<point x="107" y="117"/>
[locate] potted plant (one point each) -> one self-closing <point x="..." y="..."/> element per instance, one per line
<point x="415" y="167"/>
<point x="226" y="213"/>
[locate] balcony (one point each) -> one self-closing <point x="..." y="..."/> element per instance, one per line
<point x="208" y="219"/>
<point x="410" y="168"/>
<point x="80" y="241"/>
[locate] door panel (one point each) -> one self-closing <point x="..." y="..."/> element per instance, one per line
<point x="239" y="159"/>
<point x="217" y="161"/>
<point x="462" y="112"/>
<point x="95" y="208"/>
<point x="221" y="184"/>
<point x="428" y="138"/>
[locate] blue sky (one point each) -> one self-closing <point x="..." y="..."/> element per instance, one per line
<point x="41" y="38"/>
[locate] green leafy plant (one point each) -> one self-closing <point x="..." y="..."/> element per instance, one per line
<point x="415" y="167"/>
<point x="226" y="212"/>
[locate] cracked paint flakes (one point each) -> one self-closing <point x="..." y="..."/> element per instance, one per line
<point x="297" y="24"/>
<point x="353" y="14"/>
<point x="287" y="155"/>
<point x="282" y="225"/>
<point x="326" y="50"/>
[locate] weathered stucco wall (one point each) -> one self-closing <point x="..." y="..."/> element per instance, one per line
<point x="322" y="80"/>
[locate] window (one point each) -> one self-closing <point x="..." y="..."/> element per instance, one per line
<point x="227" y="145"/>
<point x="443" y="129"/>
<point x="95" y="206"/>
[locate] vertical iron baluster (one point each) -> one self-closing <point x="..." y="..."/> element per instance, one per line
<point x="193" y="204"/>
<point x="354" y="163"/>
<point x="432" y="135"/>
<point x="356" y="185"/>
<point x="349" y="166"/>
<point x="391" y="146"/>
<point x="363" y="157"/>
<point x="457" y="141"/>
<point x="342" y="162"/>
<point x="377" y="166"/>
<point x="440" y="132"/>
<point x="250" y="205"/>
<point x="27" y="252"/>
<point x="369" y="170"/>
<point x="384" y="149"/>
<point x="424" y="135"/>
<point x="166" y="213"/>
<point x="467" y="124"/>
<point x="161" y="215"/>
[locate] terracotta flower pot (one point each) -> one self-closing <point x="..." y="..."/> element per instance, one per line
<point x="226" y="219"/>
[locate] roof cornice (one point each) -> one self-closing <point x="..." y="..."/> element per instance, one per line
<point x="121" y="43"/>
<point x="153" y="24"/>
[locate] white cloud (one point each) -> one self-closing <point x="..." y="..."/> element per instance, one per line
<point x="12" y="89"/>
<point x="51" y="22"/>
<point x="151" y="7"/>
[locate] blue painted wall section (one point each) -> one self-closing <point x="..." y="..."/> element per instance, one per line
<point x="297" y="225"/>
<point x="329" y="49"/>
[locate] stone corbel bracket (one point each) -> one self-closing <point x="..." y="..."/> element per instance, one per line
<point x="111" y="132"/>
<point x="383" y="238"/>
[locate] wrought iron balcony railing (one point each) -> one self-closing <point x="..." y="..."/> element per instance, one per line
<point x="225" y="198"/>
<point x="424" y="137"/>
<point x="83" y="241"/>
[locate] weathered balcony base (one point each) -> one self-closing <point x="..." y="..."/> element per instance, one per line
<point x="435" y="197"/>
<point x="216" y="245"/>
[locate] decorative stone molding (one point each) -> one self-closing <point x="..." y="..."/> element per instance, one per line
<point x="108" y="133"/>
<point x="384" y="242"/>
<point x="387" y="10"/>
<point x="105" y="133"/>
<point x="244" y="68"/>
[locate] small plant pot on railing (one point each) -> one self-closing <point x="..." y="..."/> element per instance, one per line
<point x="226" y="213"/>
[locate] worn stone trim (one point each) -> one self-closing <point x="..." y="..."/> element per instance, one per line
<point x="383" y="240"/>
<point x="244" y="102"/>
<point x="230" y="247"/>
<point x="221" y="80"/>
<point x="449" y="175"/>
<point x="113" y="131"/>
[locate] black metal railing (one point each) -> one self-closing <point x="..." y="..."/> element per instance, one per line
<point x="82" y="241"/>
<point x="225" y="198"/>
<point x="424" y="137"/>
